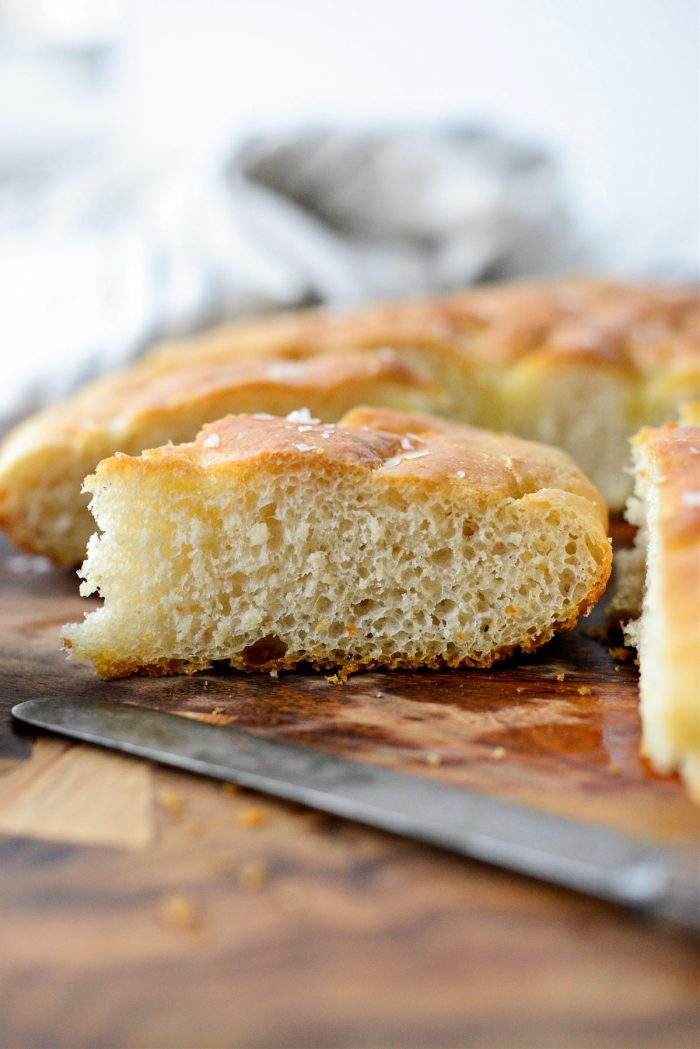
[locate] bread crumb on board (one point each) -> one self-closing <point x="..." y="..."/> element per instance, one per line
<point x="621" y="653"/>
<point x="172" y="803"/>
<point x="252" y="817"/>
<point x="431" y="758"/>
<point x="293" y="897"/>
<point x="498" y="753"/>
<point x="252" y="875"/>
<point x="225" y="865"/>
<point x="178" y="911"/>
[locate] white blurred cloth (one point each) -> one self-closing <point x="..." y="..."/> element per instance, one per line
<point x="96" y="263"/>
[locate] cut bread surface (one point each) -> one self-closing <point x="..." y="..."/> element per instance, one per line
<point x="390" y="540"/>
<point x="664" y="585"/>
<point x="579" y="363"/>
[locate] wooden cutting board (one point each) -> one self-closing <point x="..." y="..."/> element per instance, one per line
<point x="140" y="906"/>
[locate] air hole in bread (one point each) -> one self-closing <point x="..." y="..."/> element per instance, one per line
<point x="267" y="650"/>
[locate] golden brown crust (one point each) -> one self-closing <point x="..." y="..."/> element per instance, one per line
<point x="499" y="463"/>
<point x="416" y="447"/>
<point x="633" y="326"/>
<point x="127" y="399"/>
<point x="491" y="355"/>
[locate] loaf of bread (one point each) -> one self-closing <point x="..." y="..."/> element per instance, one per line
<point x="663" y="580"/>
<point x="388" y="540"/>
<point x="578" y="364"/>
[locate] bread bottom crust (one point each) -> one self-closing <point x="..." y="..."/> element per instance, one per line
<point x="111" y="670"/>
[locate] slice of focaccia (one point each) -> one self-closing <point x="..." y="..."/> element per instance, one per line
<point x="388" y="540"/>
<point x="665" y="566"/>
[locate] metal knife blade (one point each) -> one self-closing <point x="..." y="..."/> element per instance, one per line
<point x="660" y="882"/>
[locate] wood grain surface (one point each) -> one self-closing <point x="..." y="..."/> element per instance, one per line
<point x="144" y="907"/>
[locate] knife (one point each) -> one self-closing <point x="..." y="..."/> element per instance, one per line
<point x="662" y="883"/>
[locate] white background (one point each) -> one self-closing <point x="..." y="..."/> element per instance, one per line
<point x="124" y="92"/>
<point x="610" y="85"/>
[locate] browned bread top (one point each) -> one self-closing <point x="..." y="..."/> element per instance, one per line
<point x="579" y="364"/>
<point x="635" y="326"/>
<point x="420" y="447"/>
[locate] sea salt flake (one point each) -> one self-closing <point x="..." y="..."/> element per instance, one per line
<point x="262" y="415"/>
<point x="460" y="473"/>
<point x="396" y="459"/>
<point x="304" y="447"/>
<point x="301" y="415"/>
<point x="212" y="441"/>
<point x="691" y="498"/>
<point x="303" y="429"/>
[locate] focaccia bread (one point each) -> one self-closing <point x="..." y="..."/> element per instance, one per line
<point x="663" y="580"/>
<point x="389" y="540"/>
<point x="579" y="364"/>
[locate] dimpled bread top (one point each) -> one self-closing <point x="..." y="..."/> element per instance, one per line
<point x="430" y="450"/>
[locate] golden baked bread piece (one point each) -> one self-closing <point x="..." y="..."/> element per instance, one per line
<point x="666" y="507"/>
<point x="389" y="540"/>
<point x="580" y="364"/>
<point x="44" y="461"/>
